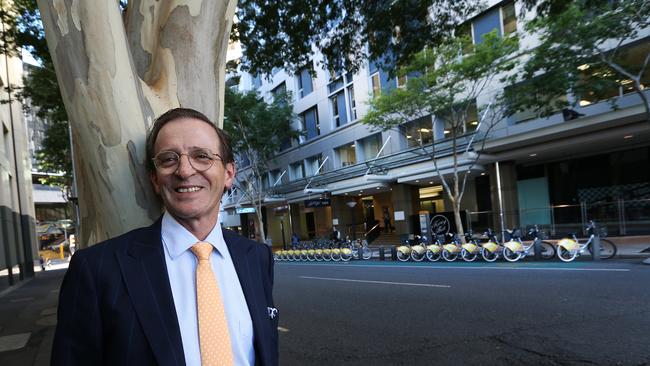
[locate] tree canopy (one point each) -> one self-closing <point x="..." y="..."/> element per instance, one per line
<point x="287" y="34"/>
<point x="258" y="131"/>
<point x="589" y="49"/>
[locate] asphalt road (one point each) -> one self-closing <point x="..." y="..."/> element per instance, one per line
<point x="388" y="313"/>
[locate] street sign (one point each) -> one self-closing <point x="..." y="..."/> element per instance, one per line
<point x="241" y="210"/>
<point x="319" y="202"/>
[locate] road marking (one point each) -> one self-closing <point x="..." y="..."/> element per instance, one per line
<point x="379" y="282"/>
<point x="465" y="267"/>
<point x="283" y="329"/>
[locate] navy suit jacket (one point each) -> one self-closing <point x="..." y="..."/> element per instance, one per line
<point x="116" y="305"/>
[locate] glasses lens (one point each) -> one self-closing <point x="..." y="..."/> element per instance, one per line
<point x="166" y="160"/>
<point x="201" y="159"/>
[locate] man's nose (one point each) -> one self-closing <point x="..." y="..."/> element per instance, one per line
<point x="185" y="168"/>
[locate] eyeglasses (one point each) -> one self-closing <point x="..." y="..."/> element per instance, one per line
<point x="201" y="160"/>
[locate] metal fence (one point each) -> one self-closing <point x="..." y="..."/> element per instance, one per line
<point x="617" y="218"/>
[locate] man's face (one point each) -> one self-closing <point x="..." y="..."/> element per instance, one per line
<point x="188" y="194"/>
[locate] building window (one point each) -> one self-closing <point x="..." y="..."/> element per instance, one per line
<point x="339" y="110"/>
<point x="312" y="164"/>
<point x="273" y="177"/>
<point x="310" y="124"/>
<point x="352" y="103"/>
<point x="257" y="81"/>
<point x="468" y="124"/>
<point x="296" y="170"/>
<point x="376" y="85"/>
<point x="418" y="132"/>
<point x="604" y="82"/>
<point x="509" y="18"/>
<point x="305" y="85"/>
<point x="369" y="147"/>
<point x="346" y="155"/>
<point x="503" y="19"/>
<point x="279" y="90"/>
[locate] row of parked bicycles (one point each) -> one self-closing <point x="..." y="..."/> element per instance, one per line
<point x="513" y="248"/>
<point x="326" y="250"/>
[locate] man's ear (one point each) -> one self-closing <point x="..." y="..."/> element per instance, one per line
<point x="229" y="170"/>
<point x="154" y="182"/>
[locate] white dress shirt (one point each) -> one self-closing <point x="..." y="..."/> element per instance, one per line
<point x="181" y="267"/>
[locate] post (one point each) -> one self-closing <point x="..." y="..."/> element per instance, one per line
<point x="595" y="245"/>
<point x="501" y="219"/>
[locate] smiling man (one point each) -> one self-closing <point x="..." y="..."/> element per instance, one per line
<point x="182" y="291"/>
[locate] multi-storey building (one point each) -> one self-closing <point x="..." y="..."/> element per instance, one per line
<point x="17" y="225"/>
<point x="556" y="171"/>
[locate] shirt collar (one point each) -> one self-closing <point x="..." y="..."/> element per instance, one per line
<point x="177" y="239"/>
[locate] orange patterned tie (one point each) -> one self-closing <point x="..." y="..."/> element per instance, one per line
<point x="214" y="338"/>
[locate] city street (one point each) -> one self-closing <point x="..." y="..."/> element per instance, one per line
<point x="388" y="313"/>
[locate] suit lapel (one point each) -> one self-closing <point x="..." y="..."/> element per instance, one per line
<point x="248" y="271"/>
<point x="145" y="275"/>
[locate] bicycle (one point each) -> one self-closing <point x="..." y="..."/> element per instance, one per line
<point x="569" y="249"/>
<point x="471" y="249"/>
<point x="546" y="249"/>
<point x="434" y="251"/>
<point x="451" y="251"/>
<point x="404" y="251"/>
<point x="361" y="246"/>
<point x="419" y="250"/>
<point x="491" y="250"/>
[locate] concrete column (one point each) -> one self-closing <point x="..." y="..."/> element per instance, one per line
<point x="510" y="202"/>
<point x="405" y="199"/>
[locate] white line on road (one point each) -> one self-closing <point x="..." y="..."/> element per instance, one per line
<point x="467" y="267"/>
<point x="379" y="282"/>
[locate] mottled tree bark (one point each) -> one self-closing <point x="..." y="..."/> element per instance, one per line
<point x="117" y="73"/>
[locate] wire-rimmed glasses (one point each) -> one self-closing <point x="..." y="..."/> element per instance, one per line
<point x="200" y="159"/>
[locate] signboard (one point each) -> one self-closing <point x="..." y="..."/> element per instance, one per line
<point x="440" y="225"/>
<point x="242" y="210"/>
<point x="443" y="222"/>
<point x="399" y="215"/>
<point x="319" y="202"/>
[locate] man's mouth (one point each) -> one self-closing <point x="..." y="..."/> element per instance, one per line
<point x="187" y="189"/>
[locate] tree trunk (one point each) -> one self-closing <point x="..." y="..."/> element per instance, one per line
<point x="116" y="78"/>
<point x="459" y="223"/>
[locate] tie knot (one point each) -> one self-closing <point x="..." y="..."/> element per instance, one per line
<point x="202" y="250"/>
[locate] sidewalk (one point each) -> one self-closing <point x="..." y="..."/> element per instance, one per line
<point x="28" y="316"/>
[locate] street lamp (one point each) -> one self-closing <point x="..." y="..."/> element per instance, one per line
<point x="351" y="204"/>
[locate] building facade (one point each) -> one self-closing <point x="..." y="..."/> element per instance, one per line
<point x="557" y="171"/>
<point x="17" y="224"/>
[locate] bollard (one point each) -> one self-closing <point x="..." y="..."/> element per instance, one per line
<point x="381" y="254"/>
<point x="61" y="251"/>
<point x="537" y="248"/>
<point x="595" y="244"/>
<point x="393" y="253"/>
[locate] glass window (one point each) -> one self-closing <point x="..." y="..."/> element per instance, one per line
<point x="304" y="83"/>
<point x="376" y="85"/>
<point x="486" y="24"/>
<point x="296" y="170"/>
<point x="352" y="103"/>
<point x="339" y="110"/>
<point x="509" y="18"/>
<point x="274" y="176"/>
<point x="370" y="146"/>
<point x="309" y="123"/>
<point x="418" y="132"/>
<point x="312" y="164"/>
<point x="346" y="155"/>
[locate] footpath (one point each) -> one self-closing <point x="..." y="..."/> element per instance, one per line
<point x="28" y="316"/>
